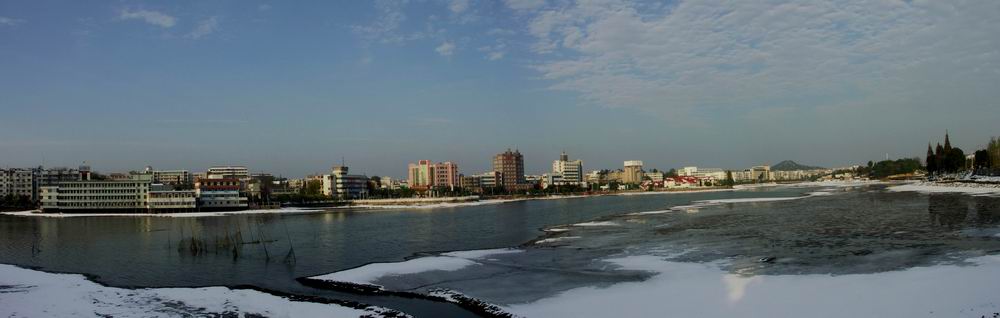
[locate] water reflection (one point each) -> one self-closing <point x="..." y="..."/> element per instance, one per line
<point x="947" y="210"/>
<point x="987" y="210"/>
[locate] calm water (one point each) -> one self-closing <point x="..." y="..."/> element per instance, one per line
<point x="843" y="231"/>
<point x="143" y="251"/>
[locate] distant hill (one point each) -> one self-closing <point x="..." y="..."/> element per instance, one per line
<point x="789" y="165"/>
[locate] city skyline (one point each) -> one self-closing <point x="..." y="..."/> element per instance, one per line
<point x="290" y="90"/>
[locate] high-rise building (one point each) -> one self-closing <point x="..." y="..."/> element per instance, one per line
<point x="510" y="165"/>
<point x="633" y="172"/>
<point x="569" y="172"/>
<point x="426" y="174"/>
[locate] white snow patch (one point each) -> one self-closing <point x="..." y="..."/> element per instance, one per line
<point x="653" y="212"/>
<point x="451" y="261"/>
<point x="703" y="290"/>
<point x="745" y="200"/>
<point x="556" y="239"/>
<point x="932" y="187"/>
<point x="30" y="293"/>
<point x="175" y="215"/>
<point x="597" y="223"/>
<point x="478" y="254"/>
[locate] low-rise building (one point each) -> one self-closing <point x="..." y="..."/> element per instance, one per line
<point x="345" y="186"/>
<point x="164" y="199"/>
<point x="118" y="196"/>
<point x="172" y="177"/>
<point x="219" y="194"/>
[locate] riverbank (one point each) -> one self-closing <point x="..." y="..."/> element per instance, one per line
<point x="31" y="293"/>
<point x="289" y="210"/>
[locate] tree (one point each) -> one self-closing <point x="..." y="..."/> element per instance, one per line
<point x="729" y="179"/>
<point x="672" y="172"/>
<point x="982" y="159"/>
<point x="994" y="151"/>
<point x="931" y="160"/>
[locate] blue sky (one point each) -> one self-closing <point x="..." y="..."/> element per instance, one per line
<point x="292" y="88"/>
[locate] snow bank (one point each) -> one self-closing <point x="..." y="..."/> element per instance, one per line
<point x="451" y="261"/>
<point x="836" y="183"/>
<point x="29" y="293"/>
<point x="430" y="206"/>
<point x="746" y="200"/>
<point x="175" y="215"/>
<point x="933" y="187"/>
<point x="556" y="239"/>
<point x="703" y="290"/>
<point x="597" y="223"/>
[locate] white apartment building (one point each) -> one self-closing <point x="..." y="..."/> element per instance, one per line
<point x="717" y="173"/>
<point x="163" y="199"/>
<point x="569" y="171"/>
<point x="219" y="194"/>
<point x="342" y="185"/>
<point x="173" y="177"/>
<point x="107" y="196"/>
<point x="222" y="172"/>
<point x="17" y="182"/>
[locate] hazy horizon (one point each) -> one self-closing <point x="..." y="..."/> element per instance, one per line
<point x="291" y="90"/>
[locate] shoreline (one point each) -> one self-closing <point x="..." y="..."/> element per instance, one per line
<point x="448" y="202"/>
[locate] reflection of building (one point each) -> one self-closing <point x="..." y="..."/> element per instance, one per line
<point x="510" y="166"/>
<point x="633" y="172"/>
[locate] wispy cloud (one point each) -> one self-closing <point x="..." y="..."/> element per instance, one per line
<point x="5" y="21"/>
<point x="264" y="7"/>
<point x="152" y="17"/>
<point x="458" y="6"/>
<point x="205" y="27"/>
<point x="524" y="4"/>
<point x="734" y="56"/>
<point x="446" y="49"/>
<point x="200" y="121"/>
<point x="385" y="28"/>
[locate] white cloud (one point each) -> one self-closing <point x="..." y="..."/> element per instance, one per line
<point x="445" y="49"/>
<point x="152" y="17"/>
<point x="389" y="17"/>
<point x="524" y="4"/>
<point x="205" y="27"/>
<point x="458" y="6"/>
<point x="264" y="7"/>
<point x="736" y="56"/>
<point x="493" y="56"/>
<point x="5" y="21"/>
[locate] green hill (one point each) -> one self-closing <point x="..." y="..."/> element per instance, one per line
<point x="789" y="165"/>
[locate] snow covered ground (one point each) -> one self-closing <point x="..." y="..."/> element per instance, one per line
<point x="703" y="290"/>
<point x="175" y="215"/>
<point x="30" y="293"/>
<point x="937" y="187"/>
<point x="451" y="261"/>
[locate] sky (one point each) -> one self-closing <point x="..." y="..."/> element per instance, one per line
<point x="293" y="88"/>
